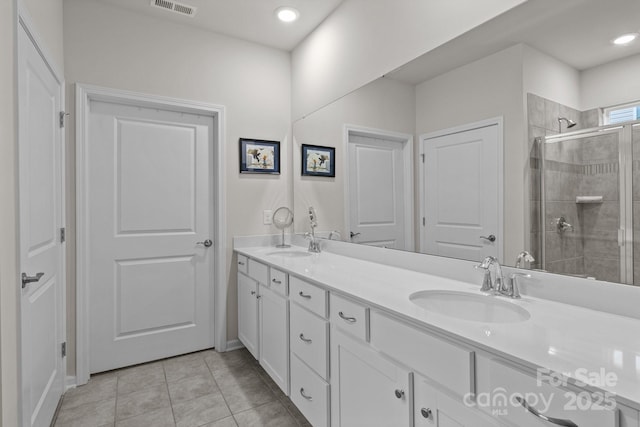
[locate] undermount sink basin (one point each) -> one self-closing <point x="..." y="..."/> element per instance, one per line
<point x="290" y="254"/>
<point x="468" y="306"/>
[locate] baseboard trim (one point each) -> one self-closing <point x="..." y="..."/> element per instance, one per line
<point x="70" y="382"/>
<point x="234" y="345"/>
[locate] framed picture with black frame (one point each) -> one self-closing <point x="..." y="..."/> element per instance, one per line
<point x="259" y="156"/>
<point x="318" y="160"/>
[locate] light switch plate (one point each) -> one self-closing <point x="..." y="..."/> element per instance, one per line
<point x="267" y="217"/>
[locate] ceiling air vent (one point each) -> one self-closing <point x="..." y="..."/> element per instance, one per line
<point x="176" y="7"/>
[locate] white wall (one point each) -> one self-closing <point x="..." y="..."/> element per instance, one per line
<point x="383" y="104"/>
<point x="611" y="84"/>
<point x="47" y="18"/>
<point x="550" y="78"/>
<point x="116" y="48"/>
<point x="364" y="39"/>
<point x="483" y="89"/>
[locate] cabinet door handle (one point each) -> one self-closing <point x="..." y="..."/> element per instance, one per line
<point x="534" y="411"/>
<point x="303" y="295"/>
<point x="302" y="393"/>
<point x="426" y="412"/>
<point x="253" y="292"/>
<point x="277" y="282"/>
<point x="347" y="318"/>
<point x="399" y="393"/>
<point x="307" y="340"/>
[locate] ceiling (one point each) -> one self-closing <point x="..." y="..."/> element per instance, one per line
<point x="251" y="20"/>
<point x="576" y="32"/>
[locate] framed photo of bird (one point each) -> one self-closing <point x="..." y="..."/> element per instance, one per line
<point x="318" y="160"/>
<point x="259" y="156"/>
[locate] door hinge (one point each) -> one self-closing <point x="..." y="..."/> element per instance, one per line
<point x="422" y="155"/>
<point x="424" y="221"/>
<point x="63" y="349"/>
<point x="62" y="116"/>
<point x="63" y="235"/>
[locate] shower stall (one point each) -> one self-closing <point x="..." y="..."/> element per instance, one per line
<point x="586" y="189"/>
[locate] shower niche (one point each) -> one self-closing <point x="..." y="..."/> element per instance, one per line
<point x="585" y="199"/>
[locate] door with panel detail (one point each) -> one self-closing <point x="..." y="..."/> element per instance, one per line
<point x="461" y="194"/>
<point x="150" y="215"/>
<point x="41" y="249"/>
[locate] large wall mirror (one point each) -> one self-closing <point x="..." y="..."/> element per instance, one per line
<point x="495" y="143"/>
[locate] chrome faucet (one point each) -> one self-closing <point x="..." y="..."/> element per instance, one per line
<point x="524" y="256"/>
<point x="489" y="283"/>
<point x="314" y="243"/>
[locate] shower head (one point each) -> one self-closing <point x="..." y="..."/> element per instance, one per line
<point x="570" y="123"/>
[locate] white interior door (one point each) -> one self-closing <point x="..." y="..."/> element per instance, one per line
<point x="462" y="193"/>
<point x="41" y="249"/>
<point x="150" y="202"/>
<point x="376" y="192"/>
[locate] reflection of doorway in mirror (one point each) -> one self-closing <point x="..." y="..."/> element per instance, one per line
<point x="379" y="188"/>
<point x="461" y="189"/>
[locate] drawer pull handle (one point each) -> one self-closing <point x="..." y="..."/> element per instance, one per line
<point x="400" y="394"/>
<point x="303" y="295"/>
<point x="307" y="340"/>
<point x="426" y="412"/>
<point x="302" y="393"/>
<point x="556" y="421"/>
<point x="277" y="282"/>
<point x="253" y="292"/>
<point x="347" y="318"/>
<point x="240" y="263"/>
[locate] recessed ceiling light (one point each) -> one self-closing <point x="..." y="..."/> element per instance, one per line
<point x="287" y="14"/>
<point x="625" y="39"/>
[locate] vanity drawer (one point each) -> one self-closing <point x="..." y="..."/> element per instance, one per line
<point x="242" y="264"/>
<point x="563" y="404"/>
<point x="315" y="406"/>
<point x="278" y="281"/>
<point x="308" y="296"/>
<point x="349" y="316"/>
<point x="258" y="271"/>
<point x="309" y="339"/>
<point x="448" y="364"/>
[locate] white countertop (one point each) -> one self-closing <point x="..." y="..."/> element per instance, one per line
<point x="560" y="337"/>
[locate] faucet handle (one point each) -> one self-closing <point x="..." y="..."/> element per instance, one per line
<point x="515" y="290"/>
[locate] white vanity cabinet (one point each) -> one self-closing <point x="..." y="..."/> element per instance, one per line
<point x="367" y="389"/>
<point x="248" y="314"/>
<point x="435" y="408"/>
<point x="263" y="318"/>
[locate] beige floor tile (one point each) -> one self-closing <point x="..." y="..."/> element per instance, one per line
<point x="90" y="414"/>
<point x="202" y="410"/>
<point x="142" y="401"/>
<point x="140" y="377"/>
<point x="184" y="367"/>
<point x="247" y="394"/>
<point x="162" y="417"/>
<point x="269" y="415"/>
<point x="232" y="359"/>
<point x="225" y="422"/>
<point x="293" y="410"/>
<point x="192" y="387"/>
<point x="99" y="388"/>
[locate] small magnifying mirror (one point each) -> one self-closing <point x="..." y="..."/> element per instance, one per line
<point x="282" y="218"/>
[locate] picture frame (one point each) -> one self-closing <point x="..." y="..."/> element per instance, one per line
<point x="318" y="160"/>
<point x="259" y="156"/>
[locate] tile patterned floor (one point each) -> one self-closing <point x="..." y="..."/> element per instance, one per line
<point x="203" y="389"/>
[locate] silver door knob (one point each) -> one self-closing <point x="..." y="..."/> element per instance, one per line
<point x="490" y="238"/>
<point x="399" y="393"/>
<point x="30" y="279"/>
<point x="207" y="243"/>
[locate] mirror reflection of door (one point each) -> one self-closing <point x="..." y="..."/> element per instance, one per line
<point x="379" y="189"/>
<point x="461" y="187"/>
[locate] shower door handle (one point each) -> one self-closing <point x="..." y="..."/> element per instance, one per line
<point x="490" y="238"/>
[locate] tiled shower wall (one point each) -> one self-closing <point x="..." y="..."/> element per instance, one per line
<point x="581" y="167"/>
